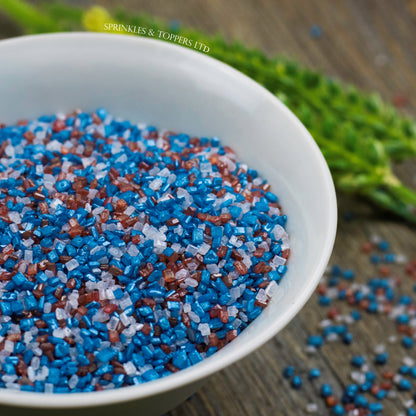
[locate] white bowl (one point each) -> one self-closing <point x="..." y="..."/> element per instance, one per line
<point x="173" y="87"/>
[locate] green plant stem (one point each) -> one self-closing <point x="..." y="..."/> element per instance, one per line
<point x="29" y="17"/>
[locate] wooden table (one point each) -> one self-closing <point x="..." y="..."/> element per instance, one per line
<point x="370" y="43"/>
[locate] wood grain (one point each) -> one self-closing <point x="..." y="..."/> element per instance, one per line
<point x="366" y="42"/>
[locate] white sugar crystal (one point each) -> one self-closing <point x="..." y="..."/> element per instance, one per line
<point x="181" y="192"/>
<point x="62" y="276"/>
<point x="9" y="151"/>
<point x="357" y="377"/>
<point x="278" y="232"/>
<point x="205" y="168"/>
<point x="113" y="323"/>
<point x="27" y="337"/>
<point x="105" y="344"/>
<point x="274" y="211"/>
<point x="285" y="242"/>
<point x="116" y="148"/>
<point x="14" y="228"/>
<point x="397" y="378"/>
<point x="15" y="217"/>
<point x="115" y="252"/>
<point x="191" y="282"/>
<point x="236" y="323"/>
<point x="66" y="165"/>
<point x="130" y="368"/>
<point x="73" y="300"/>
<point x="109" y="294"/>
<point x="235" y="241"/>
<point x="171" y="178"/>
<point x="332" y="337"/>
<point x="401" y="259"/>
<point x="124" y="319"/>
<point x="43" y="373"/>
<point x="410" y="362"/>
<point x="204" y="329"/>
<point x="101" y="316"/>
<point x="11" y="386"/>
<point x="92" y="193"/>
<point x="232" y="310"/>
<point x="277" y="261"/>
<point x="159" y="246"/>
<point x="261" y="295"/>
<point x="28" y="256"/>
<point x="146" y="367"/>
<point x="222" y="263"/>
<point x="182" y="274"/>
<point x="48" y="388"/>
<point x="192" y="249"/>
<point x="379" y="349"/>
<point x="375" y="239"/>
<point x="156" y="184"/>
<point x="130" y="332"/>
<point x="179" y="230"/>
<point x="154" y="171"/>
<point x="9" y="378"/>
<point x="309" y="349"/>
<point x="14" y="329"/>
<point x="176" y="247"/>
<point x="103" y="260"/>
<point x="193" y="265"/>
<point x="37" y="351"/>
<point x="264" y="246"/>
<point x="9" y="346"/>
<point x="73" y="381"/>
<point x="204" y="248"/>
<point x="55" y="203"/>
<point x="54" y="146"/>
<point x="311" y="407"/>
<point x="138" y="327"/>
<point x="60" y="314"/>
<point x="243" y="317"/>
<point x="187" y="307"/>
<point x="39" y="170"/>
<point x="194" y="317"/>
<point x="66" y="331"/>
<point x="392" y="394"/>
<point x="235" y="293"/>
<point x="129" y="210"/>
<point x="272" y="289"/>
<point x="251" y="247"/>
<point x="97" y="211"/>
<point x="125" y="302"/>
<point x="213" y="268"/>
<point x="332" y="293"/>
<point x="72" y="264"/>
<point x="87" y="161"/>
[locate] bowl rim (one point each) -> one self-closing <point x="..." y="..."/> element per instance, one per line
<point x="229" y="355"/>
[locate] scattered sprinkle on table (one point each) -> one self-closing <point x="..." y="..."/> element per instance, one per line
<point x="372" y="379"/>
<point x="126" y="254"/>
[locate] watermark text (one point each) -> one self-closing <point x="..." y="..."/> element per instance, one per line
<point x="159" y="34"/>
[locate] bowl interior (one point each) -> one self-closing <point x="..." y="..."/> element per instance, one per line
<point x="174" y="88"/>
